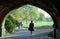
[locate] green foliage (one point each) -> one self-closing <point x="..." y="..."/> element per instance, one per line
<point x="26" y="12"/>
<point x="31" y="12"/>
<point x="42" y="17"/>
<point x="49" y="19"/>
<point x="10" y="24"/>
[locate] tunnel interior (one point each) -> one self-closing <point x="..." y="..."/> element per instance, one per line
<point x="7" y="6"/>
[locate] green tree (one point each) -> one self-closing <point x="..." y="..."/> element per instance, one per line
<point x="27" y="12"/>
<point x="42" y="17"/>
<point x="10" y="24"/>
<point x="31" y="12"/>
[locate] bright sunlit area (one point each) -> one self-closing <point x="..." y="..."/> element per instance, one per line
<point x="27" y="20"/>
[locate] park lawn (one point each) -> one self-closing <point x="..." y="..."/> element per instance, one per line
<point x="39" y="24"/>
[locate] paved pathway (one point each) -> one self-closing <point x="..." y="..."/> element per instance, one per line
<point x="25" y="34"/>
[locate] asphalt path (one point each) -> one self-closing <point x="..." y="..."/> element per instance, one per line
<point x="38" y="33"/>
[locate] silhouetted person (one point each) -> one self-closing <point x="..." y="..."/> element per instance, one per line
<point x="31" y="27"/>
<point x="21" y="25"/>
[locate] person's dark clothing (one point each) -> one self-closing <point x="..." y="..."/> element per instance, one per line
<point x="31" y="27"/>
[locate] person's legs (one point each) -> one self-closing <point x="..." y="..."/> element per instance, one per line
<point x="31" y="32"/>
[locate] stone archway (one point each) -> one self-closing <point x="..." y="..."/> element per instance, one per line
<point x="7" y="6"/>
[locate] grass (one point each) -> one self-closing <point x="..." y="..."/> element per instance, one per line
<point x="39" y="24"/>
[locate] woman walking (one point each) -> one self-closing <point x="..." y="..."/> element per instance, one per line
<point x="31" y="26"/>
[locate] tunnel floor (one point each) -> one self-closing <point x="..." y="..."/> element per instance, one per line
<point x="23" y="33"/>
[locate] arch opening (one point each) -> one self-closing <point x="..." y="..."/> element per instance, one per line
<point x="32" y="17"/>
